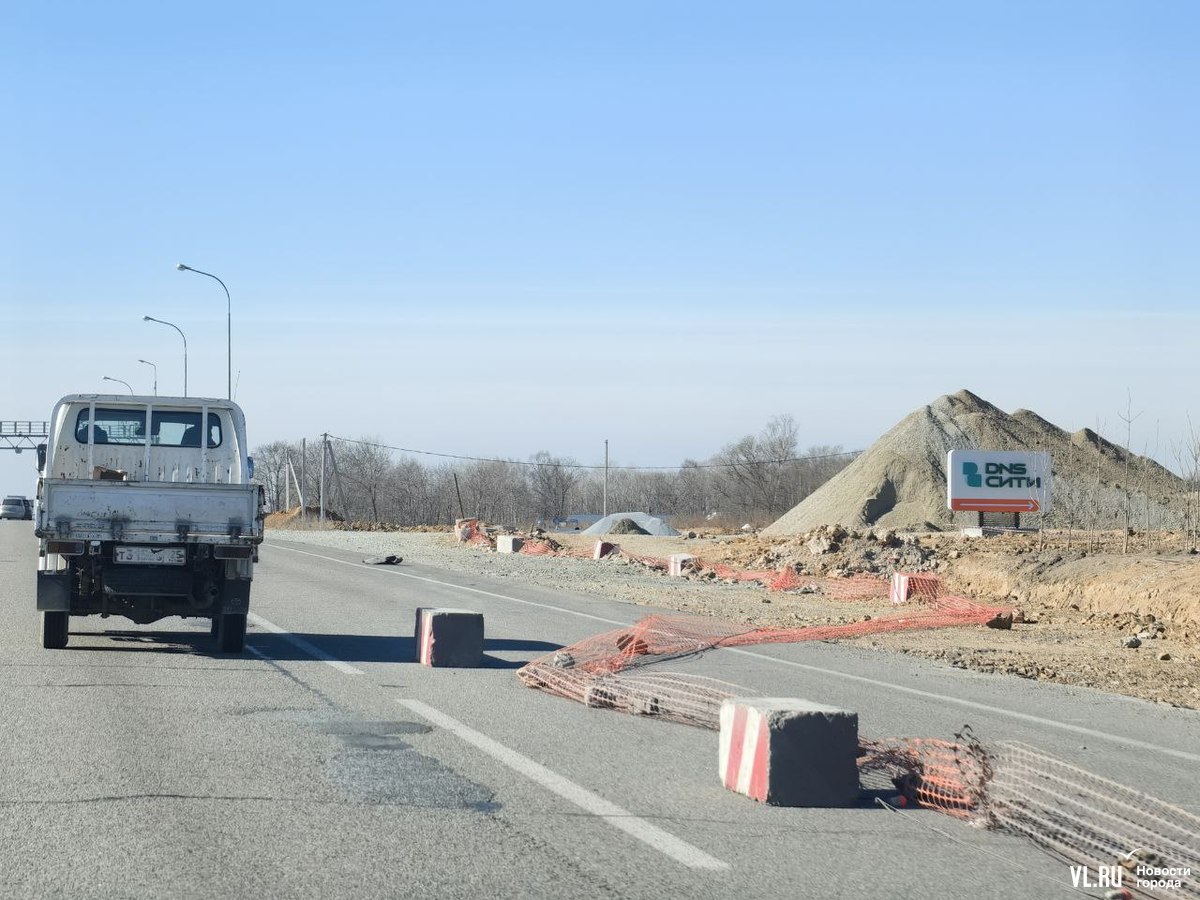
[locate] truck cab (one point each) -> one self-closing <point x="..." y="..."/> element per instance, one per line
<point x="146" y="509"/>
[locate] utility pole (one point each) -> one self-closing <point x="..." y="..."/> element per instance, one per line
<point x="337" y="481"/>
<point x="300" y="487"/>
<point x="324" y="449"/>
<point x="605" y="476"/>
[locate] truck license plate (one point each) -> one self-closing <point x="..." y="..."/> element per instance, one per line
<point x="154" y="556"/>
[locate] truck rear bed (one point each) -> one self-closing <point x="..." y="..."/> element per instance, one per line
<point x="148" y="511"/>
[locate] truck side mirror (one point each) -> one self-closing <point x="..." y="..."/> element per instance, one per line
<point x="250" y="465"/>
<point x="41" y="452"/>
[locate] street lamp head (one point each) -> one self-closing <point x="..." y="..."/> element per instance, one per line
<point x="146" y="361"/>
<point x="182" y="268"/>
<point x="147" y="319"/>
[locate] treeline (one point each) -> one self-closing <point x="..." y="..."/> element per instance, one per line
<point x="755" y="479"/>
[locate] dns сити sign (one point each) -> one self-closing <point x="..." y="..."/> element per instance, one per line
<point x="998" y="481"/>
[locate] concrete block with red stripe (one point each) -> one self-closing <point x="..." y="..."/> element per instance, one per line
<point x="677" y="562"/>
<point x="788" y="752"/>
<point x="906" y="584"/>
<point x="449" y="637"/>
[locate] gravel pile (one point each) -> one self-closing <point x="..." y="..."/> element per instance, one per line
<point x="900" y="482"/>
<point x="648" y="523"/>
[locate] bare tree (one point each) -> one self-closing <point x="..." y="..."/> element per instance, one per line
<point x="551" y="480"/>
<point x="365" y="467"/>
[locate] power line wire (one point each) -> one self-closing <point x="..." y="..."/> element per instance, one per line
<point x="562" y="465"/>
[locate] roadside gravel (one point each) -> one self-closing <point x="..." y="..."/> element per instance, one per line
<point x="614" y="578"/>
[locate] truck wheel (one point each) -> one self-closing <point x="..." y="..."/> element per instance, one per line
<point x="231" y="633"/>
<point x="55" y="629"/>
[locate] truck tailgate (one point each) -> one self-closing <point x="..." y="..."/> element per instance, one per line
<point x="148" y="511"/>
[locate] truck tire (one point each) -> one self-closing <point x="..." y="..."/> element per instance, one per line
<point x="55" y="630"/>
<point x="231" y="633"/>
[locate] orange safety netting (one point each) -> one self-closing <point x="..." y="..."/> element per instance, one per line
<point x="923" y="587"/>
<point x="1070" y="812"/>
<point x="609" y="671"/>
<point x="539" y="547"/>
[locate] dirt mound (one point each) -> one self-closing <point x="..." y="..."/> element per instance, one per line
<point x="900" y="482"/>
<point x="627" y="526"/>
<point x="832" y="550"/>
<point x="290" y="518"/>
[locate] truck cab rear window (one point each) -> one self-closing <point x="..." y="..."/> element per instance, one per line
<point x="128" y="426"/>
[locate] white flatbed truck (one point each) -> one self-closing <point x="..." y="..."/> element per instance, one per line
<point x="145" y="509"/>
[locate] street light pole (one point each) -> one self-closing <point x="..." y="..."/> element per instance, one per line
<point x="118" y="381"/>
<point x="228" y="323"/>
<point x="182" y="335"/>
<point x="155" y="368"/>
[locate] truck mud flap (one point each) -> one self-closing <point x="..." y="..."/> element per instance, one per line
<point x="236" y="596"/>
<point x="54" y="591"/>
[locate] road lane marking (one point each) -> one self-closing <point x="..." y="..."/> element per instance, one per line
<point x="651" y="835"/>
<point x="460" y="587"/>
<point x="970" y="704"/>
<point x="311" y="649"/>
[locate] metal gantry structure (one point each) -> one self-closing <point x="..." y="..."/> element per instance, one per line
<point x="18" y="436"/>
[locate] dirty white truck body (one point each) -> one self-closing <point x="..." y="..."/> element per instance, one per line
<point x="145" y="509"/>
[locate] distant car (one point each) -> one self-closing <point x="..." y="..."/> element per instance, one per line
<point x="16" y="508"/>
<point x="28" y="509"/>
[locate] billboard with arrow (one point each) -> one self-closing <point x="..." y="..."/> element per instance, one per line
<point x="998" y="481"/>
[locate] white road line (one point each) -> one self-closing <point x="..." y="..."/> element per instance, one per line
<point x="311" y="649"/>
<point x="460" y="587"/>
<point x="969" y="704"/>
<point x="652" y="835"/>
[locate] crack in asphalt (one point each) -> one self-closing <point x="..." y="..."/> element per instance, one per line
<point x="479" y="807"/>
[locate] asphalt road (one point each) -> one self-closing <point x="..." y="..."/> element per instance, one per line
<point x="325" y="763"/>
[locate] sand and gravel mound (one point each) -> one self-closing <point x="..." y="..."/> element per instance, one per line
<point x="900" y="482"/>
<point x="644" y="521"/>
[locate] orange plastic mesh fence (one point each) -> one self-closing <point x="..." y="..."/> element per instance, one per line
<point x="947" y="776"/>
<point x="1092" y="821"/>
<point x="854" y="587"/>
<point x="469" y="532"/>
<point x="588" y="669"/>
<point x="1079" y="816"/>
<point x="539" y="547"/>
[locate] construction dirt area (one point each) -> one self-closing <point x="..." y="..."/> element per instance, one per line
<point x="1078" y="608"/>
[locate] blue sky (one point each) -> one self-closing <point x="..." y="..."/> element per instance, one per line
<point x="499" y="228"/>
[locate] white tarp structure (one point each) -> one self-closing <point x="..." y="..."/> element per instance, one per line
<point x="645" y="521"/>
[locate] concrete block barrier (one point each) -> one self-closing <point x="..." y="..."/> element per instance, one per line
<point x="675" y="563"/>
<point x="787" y="752"/>
<point x="905" y="584"/>
<point x="509" y="543"/>
<point x="602" y="549"/>
<point x="449" y="637"/>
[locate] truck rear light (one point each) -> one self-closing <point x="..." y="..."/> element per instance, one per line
<point x="65" y="548"/>
<point x="232" y="551"/>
